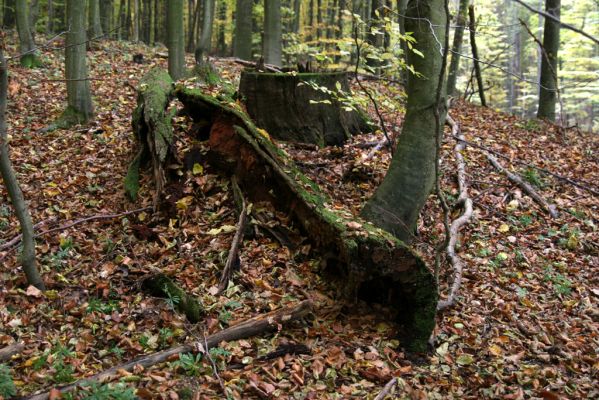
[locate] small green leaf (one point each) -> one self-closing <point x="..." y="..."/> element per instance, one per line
<point x="465" y="359"/>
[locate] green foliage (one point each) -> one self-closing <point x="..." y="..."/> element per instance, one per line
<point x="7" y="386"/>
<point x="190" y="364"/>
<point x="97" y="391"/>
<point x="561" y="284"/>
<point x="97" y="305"/>
<point x="532" y="176"/>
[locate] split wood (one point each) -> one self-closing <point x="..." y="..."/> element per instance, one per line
<point x="529" y="190"/>
<point x="248" y="328"/>
<point x="7" y="352"/>
<point x="237" y="239"/>
<point x="458" y="223"/>
<point x="17" y="239"/>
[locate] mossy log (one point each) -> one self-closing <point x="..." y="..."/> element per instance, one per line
<point x="160" y="285"/>
<point x="368" y="262"/>
<point x="291" y="109"/>
<point x="153" y="130"/>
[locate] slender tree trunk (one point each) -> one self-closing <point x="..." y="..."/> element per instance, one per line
<point x="319" y="21"/>
<point x="340" y="21"/>
<point x="396" y="204"/>
<point x="95" y="26"/>
<point x="456" y="48"/>
<point x="297" y="13"/>
<point x="34" y="11"/>
<point x="26" y="46"/>
<point x="221" y="45"/>
<point x="80" y="107"/>
<point x="273" y="33"/>
<point x="205" y="44"/>
<point x="135" y="20"/>
<point x="401" y="11"/>
<point x="243" y="30"/>
<point x="10" y="13"/>
<point x="50" y="26"/>
<point x="549" y="75"/>
<point x="479" y="77"/>
<point x="106" y="12"/>
<point x="176" y="39"/>
<point x="15" y="194"/>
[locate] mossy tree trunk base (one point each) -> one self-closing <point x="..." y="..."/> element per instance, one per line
<point x="160" y="285"/>
<point x="290" y="108"/>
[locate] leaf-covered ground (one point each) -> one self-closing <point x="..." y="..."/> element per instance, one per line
<point x="526" y="324"/>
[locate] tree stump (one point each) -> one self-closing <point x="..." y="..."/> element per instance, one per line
<point x="289" y="108"/>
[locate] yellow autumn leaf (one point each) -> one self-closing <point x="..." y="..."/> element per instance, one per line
<point x="504" y="228"/>
<point x="495" y="350"/>
<point x="263" y="133"/>
<point x="198" y="169"/>
<point x="184" y="203"/>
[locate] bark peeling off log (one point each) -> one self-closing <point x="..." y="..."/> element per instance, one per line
<point x="290" y="109"/>
<point x="370" y="262"/>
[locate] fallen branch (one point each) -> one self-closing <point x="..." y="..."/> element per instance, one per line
<point x="383" y="393"/>
<point x="7" y="352"/>
<point x="17" y="239"/>
<point x="245" y="63"/>
<point x="248" y="328"/>
<point x="457" y="224"/>
<point x="529" y="190"/>
<point x="233" y="256"/>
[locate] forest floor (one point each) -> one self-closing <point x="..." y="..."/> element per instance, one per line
<point x="526" y="323"/>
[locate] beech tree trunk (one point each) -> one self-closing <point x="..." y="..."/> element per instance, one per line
<point x="396" y="204"/>
<point x="456" y="48"/>
<point x="243" y="29"/>
<point x="176" y="39"/>
<point x="273" y="33"/>
<point x="106" y="13"/>
<point x="548" y="89"/>
<point x="205" y="43"/>
<point x="95" y="26"/>
<point x="477" y="71"/>
<point x="26" y="45"/>
<point x="27" y="257"/>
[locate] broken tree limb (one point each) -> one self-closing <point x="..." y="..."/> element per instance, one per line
<point x="7" y="352"/>
<point x="366" y="261"/>
<point x="529" y="190"/>
<point x="233" y="257"/>
<point x="153" y="131"/>
<point x="457" y="224"/>
<point x="245" y="329"/>
<point x="387" y="389"/>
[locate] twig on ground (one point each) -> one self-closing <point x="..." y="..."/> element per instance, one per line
<point x="529" y="190"/>
<point x="214" y="368"/>
<point x="233" y="256"/>
<point x="248" y="328"/>
<point x="388" y="387"/>
<point x="7" y="352"/>
<point x="457" y="224"/>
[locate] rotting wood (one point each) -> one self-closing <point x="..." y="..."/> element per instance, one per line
<point x="454" y="229"/>
<point x="245" y="329"/>
<point x="161" y="285"/>
<point x="529" y="190"/>
<point x="7" y="352"/>
<point x="233" y="257"/>
<point x="368" y="262"/>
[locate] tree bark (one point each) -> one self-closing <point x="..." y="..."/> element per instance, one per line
<point x="79" y="101"/>
<point x="456" y="48"/>
<point x="106" y="14"/>
<point x="548" y="81"/>
<point x="396" y="204"/>
<point x="50" y="25"/>
<point x="26" y="45"/>
<point x="273" y="33"/>
<point x="95" y="26"/>
<point x="205" y="43"/>
<point x="221" y="45"/>
<point x="297" y="10"/>
<point x="479" y="77"/>
<point x="243" y="30"/>
<point x="9" y="17"/>
<point x="13" y="188"/>
<point x="176" y="39"/>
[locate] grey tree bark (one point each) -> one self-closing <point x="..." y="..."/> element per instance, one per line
<point x="80" y="107"/>
<point x="50" y="25"/>
<point x="396" y="204"/>
<point x="26" y="45"/>
<point x="175" y="39"/>
<point x="106" y="13"/>
<point x="273" y="33"/>
<point x="13" y="188"/>
<point x="243" y="29"/>
<point x="477" y="70"/>
<point x="205" y="43"/>
<point x="95" y="26"/>
<point x="548" y="81"/>
<point x="456" y="47"/>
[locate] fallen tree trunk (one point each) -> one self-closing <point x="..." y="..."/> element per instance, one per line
<point x="160" y="285"/>
<point x="248" y="328"/>
<point x="367" y="262"/>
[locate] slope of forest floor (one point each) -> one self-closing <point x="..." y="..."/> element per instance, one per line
<point x="526" y="323"/>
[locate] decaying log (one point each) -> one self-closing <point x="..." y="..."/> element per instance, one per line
<point x="248" y="328"/>
<point x="368" y="262"/>
<point x="529" y="190"/>
<point x="290" y="109"/>
<point x="454" y="229"/>
<point x="7" y="352"/>
<point x="161" y="285"/>
<point x="153" y="130"/>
